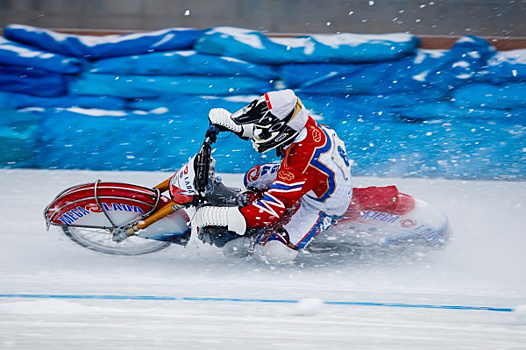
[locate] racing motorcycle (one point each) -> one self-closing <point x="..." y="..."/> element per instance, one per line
<point x="128" y="219"/>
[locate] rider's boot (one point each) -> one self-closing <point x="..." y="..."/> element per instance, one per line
<point x="275" y="252"/>
<point x="239" y="248"/>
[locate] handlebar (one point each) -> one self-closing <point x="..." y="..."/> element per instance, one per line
<point x="203" y="157"/>
<point x="211" y="133"/>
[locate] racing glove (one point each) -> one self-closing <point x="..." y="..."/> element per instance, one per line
<point x="230" y="217"/>
<point x="221" y="117"/>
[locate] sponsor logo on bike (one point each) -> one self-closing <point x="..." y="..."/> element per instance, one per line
<point x="114" y="207"/>
<point x="406" y="223"/>
<point x="93" y="207"/>
<point x="182" y="182"/>
<point x="429" y="234"/>
<point x="380" y="216"/>
<point x="73" y="215"/>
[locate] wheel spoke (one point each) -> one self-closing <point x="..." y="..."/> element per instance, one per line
<point x="100" y="240"/>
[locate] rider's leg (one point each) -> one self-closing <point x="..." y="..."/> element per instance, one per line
<point x="283" y="244"/>
<point x="275" y="252"/>
<point x="243" y="246"/>
<point x="240" y="247"/>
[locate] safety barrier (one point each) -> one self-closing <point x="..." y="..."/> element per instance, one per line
<point x="139" y="101"/>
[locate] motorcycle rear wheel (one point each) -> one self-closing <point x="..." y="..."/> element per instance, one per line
<point x="99" y="240"/>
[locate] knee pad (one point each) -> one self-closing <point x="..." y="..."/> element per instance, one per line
<point x="275" y="252"/>
<point x="260" y="177"/>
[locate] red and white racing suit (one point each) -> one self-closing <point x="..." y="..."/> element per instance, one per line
<point x="305" y="194"/>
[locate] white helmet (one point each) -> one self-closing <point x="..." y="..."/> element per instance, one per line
<point x="276" y="119"/>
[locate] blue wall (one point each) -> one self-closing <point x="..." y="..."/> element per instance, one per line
<point x="140" y="101"/>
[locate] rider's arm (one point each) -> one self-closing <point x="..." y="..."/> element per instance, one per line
<point x="290" y="185"/>
<point x="222" y="118"/>
<point x="294" y="179"/>
<point x="296" y="176"/>
<point x="286" y="190"/>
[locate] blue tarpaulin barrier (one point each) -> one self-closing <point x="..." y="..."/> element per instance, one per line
<point x="140" y="101"/>
<point x="34" y="81"/>
<point x="506" y="66"/>
<point x="18" y="101"/>
<point x="140" y="86"/>
<point x="253" y="46"/>
<point x="16" y="54"/>
<point x="95" y="47"/>
<point x="488" y="96"/>
<point x="173" y="63"/>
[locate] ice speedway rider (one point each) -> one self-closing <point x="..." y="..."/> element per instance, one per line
<point x="286" y="207"/>
<point x="299" y="198"/>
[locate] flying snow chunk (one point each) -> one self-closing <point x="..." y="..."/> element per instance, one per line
<point x="308" y="307"/>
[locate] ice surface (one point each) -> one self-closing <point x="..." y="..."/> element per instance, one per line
<point x="484" y="266"/>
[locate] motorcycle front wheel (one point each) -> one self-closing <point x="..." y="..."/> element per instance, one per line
<point x="99" y="240"/>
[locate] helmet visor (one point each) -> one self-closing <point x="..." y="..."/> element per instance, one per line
<point x="254" y="113"/>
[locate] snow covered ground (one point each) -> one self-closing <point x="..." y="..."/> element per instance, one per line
<point x="57" y="295"/>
